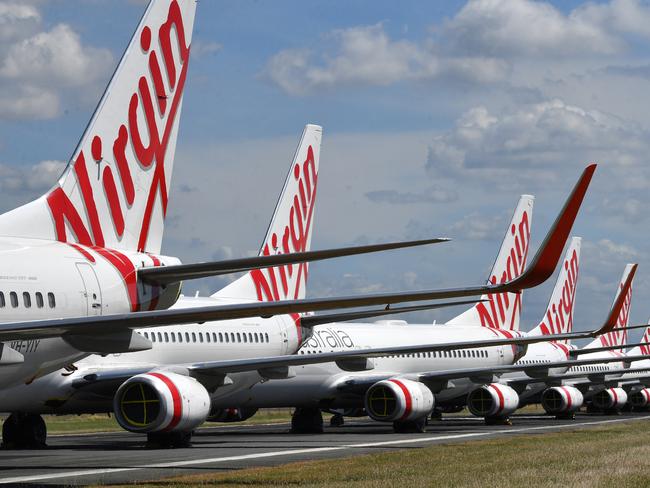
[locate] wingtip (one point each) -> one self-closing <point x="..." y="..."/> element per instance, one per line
<point x="548" y="255"/>
<point x="615" y="311"/>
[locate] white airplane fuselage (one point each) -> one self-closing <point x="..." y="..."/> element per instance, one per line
<point x="42" y="279"/>
<point x="311" y="384"/>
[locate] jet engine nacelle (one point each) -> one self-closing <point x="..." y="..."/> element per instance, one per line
<point x="161" y="402"/>
<point x="610" y="399"/>
<point x="231" y="414"/>
<point x="562" y="399"/>
<point x="493" y="400"/>
<point x="398" y="400"/>
<point x="640" y="398"/>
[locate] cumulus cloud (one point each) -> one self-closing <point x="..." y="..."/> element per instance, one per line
<point x="537" y="136"/>
<point x="478" y="45"/>
<point x="39" y="67"/>
<point x="366" y="55"/>
<point x="30" y="180"/>
<point x="526" y="27"/>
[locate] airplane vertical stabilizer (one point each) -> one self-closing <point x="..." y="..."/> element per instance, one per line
<point x="114" y="191"/>
<point x="290" y="230"/>
<point x="558" y="318"/>
<point x="617" y="337"/>
<point x="638" y="350"/>
<point x="503" y="311"/>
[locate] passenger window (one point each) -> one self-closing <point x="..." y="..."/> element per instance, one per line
<point x="238" y="337"/>
<point x="200" y="336"/>
<point x="173" y="336"/>
<point x="193" y="337"/>
<point x="256" y="337"/>
<point x="2" y="300"/>
<point x="232" y="337"/>
<point x="187" y="337"/>
<point x="153" y="337"/>
<point x="166" y="337"/>
<point x="207" y="337"/>
<point x="266" y="336"/>
<point x="180" y="337"/>
<point x="244" y="334"/>
<point x="39" y="299"/>
<point x="214" y="337"/>
<point x="159" y="337"/>
<point x="220" y="337"/>
<point x="51" y="300"/>
<point x="226" y="336"/>
<point x="250" y="337"/>
<point x="14" y="299"/>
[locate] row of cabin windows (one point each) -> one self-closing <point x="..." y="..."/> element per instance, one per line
<point x="27" y="300"/>
<point x="224" y="337"/>
<point x="591" y="368"/>
<point x="471" y="353"/>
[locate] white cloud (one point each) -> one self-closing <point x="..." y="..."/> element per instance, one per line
<point x="524" y="27"/>
<point x="17" y="20"/>
<point x="536" y="137"/>
<point x="30" y="181"/>
<point x="480" y="44"/>
<point x="366" y="55"/>
<point x="205" y="48"/>
<point x="40" y="67"/>
<point x="56" y="56"/>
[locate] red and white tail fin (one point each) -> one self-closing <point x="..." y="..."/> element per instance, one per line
<point x="114" y="191"/>
<point x="617" y="337"/>
<point x="638" y="350"/>
<point x="290" y="230"/>
<point x="558" y="318"/>
<point x="503" y="311"/>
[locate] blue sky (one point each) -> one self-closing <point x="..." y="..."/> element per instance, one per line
<point x="436" y="115"/>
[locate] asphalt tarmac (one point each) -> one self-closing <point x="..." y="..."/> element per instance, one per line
<point x="121" y="457"/>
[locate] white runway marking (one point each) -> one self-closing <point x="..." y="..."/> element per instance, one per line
<point x="272" y="454"/>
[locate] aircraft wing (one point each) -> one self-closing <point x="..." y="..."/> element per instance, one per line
<point x="534" y="371"/>
<point x="540" y="269"/>
<point x="164" y="275"/>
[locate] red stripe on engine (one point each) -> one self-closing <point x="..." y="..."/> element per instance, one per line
<point x="500" y="395"/>
<point x="568" y="396"/>
<point x="407" y="397"/>
<point x="613" y="390"/>
<point x="176" y="399"/>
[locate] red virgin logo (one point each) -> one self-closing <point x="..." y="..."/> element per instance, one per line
<point x="559" y="316"/>
<point x="284" y="282"/>
<point x="149" y="102"/>
<point x="499" y="312"/>
<point x="618" y="337"/>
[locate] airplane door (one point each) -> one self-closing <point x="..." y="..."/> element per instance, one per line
<point x="93" y="292"/>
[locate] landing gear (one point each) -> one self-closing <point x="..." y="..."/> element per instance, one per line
<point x="566" y="416"/>
<point x="169" y="440"/>
<point x="24" y="431"/>
<point x="498" y="421"/>
<point x="337" y="420"/>
<point x="411" y="426"/>
<point x="307" y="421"/>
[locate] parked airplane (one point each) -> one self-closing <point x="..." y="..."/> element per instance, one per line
<point x="533" y="385"/>
<point x="90" y="247"/>
<point x="177" y="392"/>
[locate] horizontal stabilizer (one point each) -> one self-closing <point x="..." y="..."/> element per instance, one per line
<point x="314" y="320"/>
<point x="173" y="274"/>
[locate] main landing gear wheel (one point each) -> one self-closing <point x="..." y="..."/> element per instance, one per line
<point x="498" y="421"/>
<point x="24" y="431"/>
<point x="411" y="426"/>
<point x="169" y="440"/>
<point x="337" y="420"/>
<point x="307" y="421"/>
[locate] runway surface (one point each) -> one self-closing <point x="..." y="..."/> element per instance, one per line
<point x="121" y="457"/>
